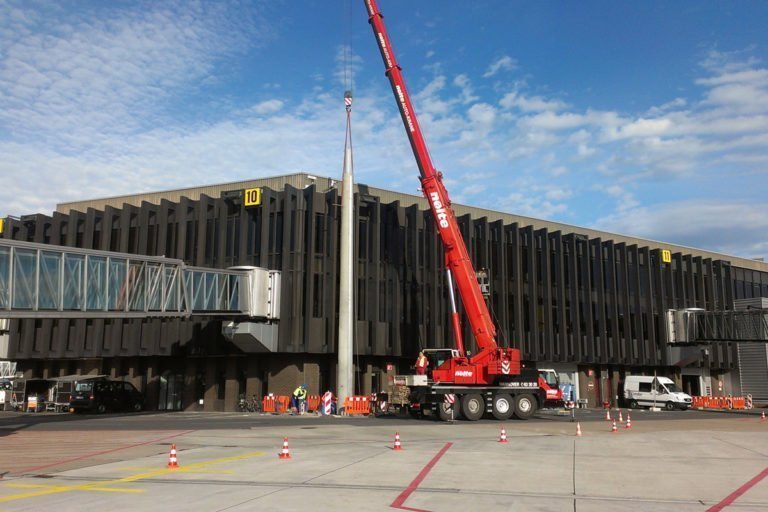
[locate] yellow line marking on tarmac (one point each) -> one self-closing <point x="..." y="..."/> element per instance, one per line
<point x="210" y="471"/>
<point x="197" y="467"/>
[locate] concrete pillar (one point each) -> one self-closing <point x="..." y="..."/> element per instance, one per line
<point x="253" y="384"/>
<point x="189" y="400"/>
<point x="615" y="398"/>
<point x="367" y="383"/>
<point x="211" y="385"/>
<point x="114" y="370"/>
<point x="153" y="384"/>
<point x="232" y="385"/>
<point x="133" y="375"/>
<point x="48" y="369"/>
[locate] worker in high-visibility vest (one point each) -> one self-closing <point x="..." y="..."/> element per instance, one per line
<point x="299" y="398"/>
<point x="421" y="364"/>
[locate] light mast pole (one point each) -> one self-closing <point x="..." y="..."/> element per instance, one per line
<point x="345" y="374"/>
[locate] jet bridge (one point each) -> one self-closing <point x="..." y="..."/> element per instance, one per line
<point x="48" y="281"/>
<point x="700" y="327"/>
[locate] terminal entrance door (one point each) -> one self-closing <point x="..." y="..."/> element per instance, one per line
<point x="171" y="392"/>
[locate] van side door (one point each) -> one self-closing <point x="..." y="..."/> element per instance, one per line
<point x="645" y="393"/>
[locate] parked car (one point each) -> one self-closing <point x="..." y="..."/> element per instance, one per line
<point x="105" y="395"/>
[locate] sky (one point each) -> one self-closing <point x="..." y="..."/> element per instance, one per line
<point x="642" y="118"/>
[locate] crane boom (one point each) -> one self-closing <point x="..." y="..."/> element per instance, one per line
<point x="456" y="254"/>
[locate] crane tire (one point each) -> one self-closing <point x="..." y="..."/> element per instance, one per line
<point x="525" y="406"/>
<point x="473" y="406"/>
<point x="445" y="413"/>
<point x="503" y="406"/>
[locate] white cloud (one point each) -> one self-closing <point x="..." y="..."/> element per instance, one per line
<point x="725" y="226"/>
<point x="559" y="171"/>
<point x="505" y="63"/>
<point x="675" y="104"/>
<point x="89" y="76"/>
<point x="531" y="205"/>
<point x="482" y="114"/>
<point x="89" y="109"/>
<point x="530" y="103"/>
<point x="645" y="128"/>
<point x="267" y="107"/>
<point x="464" y="84"/>
<point x="348" y="65"/>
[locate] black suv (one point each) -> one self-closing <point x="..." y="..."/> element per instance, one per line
<point x="105" y="395"/>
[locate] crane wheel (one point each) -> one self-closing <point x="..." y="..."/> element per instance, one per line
<point x="447" y="412"/>
<point x="473" y="406"/>
<point x="503" y="406"/>
<point x="525" y="406"/>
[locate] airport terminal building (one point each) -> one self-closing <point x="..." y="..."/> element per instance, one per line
<point x="590" y="304"/>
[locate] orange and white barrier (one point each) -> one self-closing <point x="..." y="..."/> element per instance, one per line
<point x="722" y="402"/>
<point x="313" y="403"/>
<point x="276" y="404"/>
<point x="357" y="405"/>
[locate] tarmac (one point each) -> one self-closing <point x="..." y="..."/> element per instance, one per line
<point x="700" y="464"/>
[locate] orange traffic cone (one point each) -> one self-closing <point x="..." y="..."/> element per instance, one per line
<point x="613" y="429"/>
<point x="285" y="454"/>
<point x="629" y="422"/>
<point x="621" y="420"/>
<point x="503" y="436"/>
<point x="397" y="442"/>
<point x="607" y="415"/>
<point x="578" y="429"/>
<point x="172" y="461"/>
<point x="762" y="416"/>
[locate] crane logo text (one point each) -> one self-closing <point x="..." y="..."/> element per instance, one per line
<point x="406" y="112"/>
<point x="385" y="49"/>
<point x="442" y="215"/>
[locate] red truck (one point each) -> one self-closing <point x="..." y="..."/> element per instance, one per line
<point x="493" y="379"/>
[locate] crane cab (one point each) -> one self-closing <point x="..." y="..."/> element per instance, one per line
<point x="549" y="382"/>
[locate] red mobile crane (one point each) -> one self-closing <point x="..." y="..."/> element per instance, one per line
<point x="492" y="379"/>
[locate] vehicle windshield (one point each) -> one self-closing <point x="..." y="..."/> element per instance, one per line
<point x="672" y="387"/>
<point x="84" y="387"/>
<point x="550" y="378"/>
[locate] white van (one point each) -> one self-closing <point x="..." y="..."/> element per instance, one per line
<point x="648" y="391"/>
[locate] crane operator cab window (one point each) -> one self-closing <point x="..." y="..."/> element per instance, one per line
<point x="438" y="357"/>
<point x="550" y="377"/>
